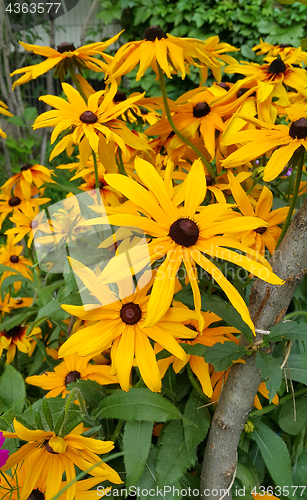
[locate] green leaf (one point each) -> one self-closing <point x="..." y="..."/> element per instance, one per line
<point x="47" y="413"/>
<point x="47" y="292"/>
<point x="200" y="417"/>
<point x="62" y="187"/>
<point x="15" y="320"/>
<point x="30" y="114"/>
<point x="222" y="356"/>
<point x="270" y="372"/>
<point x="304" y="43"/>
<point x="12" y="390"/>
<point x="54" y="310"/>
<point x="286" y="416"/>
<point x="137" y="404"/>
<point x="4" y="268"/>
<point x="290" y="330"/>
<point x="136" y="445"/>
<point x="297" y="364"/>
<point x="195" y="350"/>
<point x="246" y="477"/>
<point x="91" y="392"/>
<point x="275" y="454"/>
<point x="300" y="471"/>
<point x="16" y="120"/>
<point x="173" y="457"/>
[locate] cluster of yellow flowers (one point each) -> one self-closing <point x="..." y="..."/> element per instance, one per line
<point x="189" y="181"/>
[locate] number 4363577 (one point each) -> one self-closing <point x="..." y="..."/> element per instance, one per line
<point x="32" y="8"/>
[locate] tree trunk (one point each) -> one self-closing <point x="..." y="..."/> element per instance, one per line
<point x="268" y="306"/>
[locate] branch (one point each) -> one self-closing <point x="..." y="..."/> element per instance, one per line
<point x="86" y="21"/>
<point x="268" y="306"/>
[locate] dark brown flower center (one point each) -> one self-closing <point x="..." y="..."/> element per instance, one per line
<point x="13" y="332"/>
<point x="88" y="117"/>
<point x="201" y="109"/>
<point x="19" y="302"/>
<point x="13" y="202"/>
<point x="298" y="129"/>
<point x="66" y="47"/>
<point x="285" y="45"/>
<point x="119" y="96"/>
<point x="243" y="91"/>
<point x="14" y="259"/>
<point x="144" y="111"/>
<point x="260" y="230"/>
<point x="277" y="66"/>
<point x="153" y="32"/>
<point x="130" y="313"/>
<point x="184" y="232"/>
<point x="209" y="180"/>
<point x="191" y="327"/>
<point x="223" y="85"/>
<point x="48" y="448"/>
<point x="36" y="495"/>
<point x="26" y="166"/>
<point x="72" y="377"/>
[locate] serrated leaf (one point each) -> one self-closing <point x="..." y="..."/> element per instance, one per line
<point x="137" y="404"/>
<point x="136" y="445"/>
<point x="173" y="458"/>
<point x="200" y="417"/>
<point x="91" y="392"/>
<point x="270" y="372"/>
<point x="290" y="330"/>
<point x="222" y="356"/>
<point x="275" y="454"/>
<point x="12" y="390"/>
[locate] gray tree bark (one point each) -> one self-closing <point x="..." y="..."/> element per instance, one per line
<point x="268" y="306"/>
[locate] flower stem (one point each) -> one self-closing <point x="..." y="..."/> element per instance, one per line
<point x="96" y="171"/>
<point x="177" y="132"/>
<point x="77" y="83"/>
<point x="294" y="195"/>
<point x="120" y="163"/>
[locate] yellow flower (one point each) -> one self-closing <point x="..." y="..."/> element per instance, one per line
<point x="208" y="337"/>
<point x="120" y="325"/>
<point x="171" y="53"/>
<point x="293" y="55"/>
<point x="71" y="369"/>
<point x="289" y="138"/>
<point x="15" y="202"/>
<point x="261" y="237"/>
<point x="276" y="71"/>
<point x="24" y="224"/>
<point x="181" y="235"/>
<point x="29" y="175"/>
<point x="65" y="58"/>
<point x="10" y="255"/>
<point x="4" y="111"/>
<point x="50" y="456"/>
<point x="89" y="125"/>
<point x="17" y="337"/>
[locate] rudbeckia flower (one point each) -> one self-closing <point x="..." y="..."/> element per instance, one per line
<point x="16" y="202"/>
<point x="182" y="235"/>
<point x="287" y="138"/>
<point x="47" y="456"/>
<point x="29" y="175"/>
<point x="71" y="369"/>
<point x="120" y="325"/>
<point x="208" y="337"/>
<point x="88" y="123"/>
<point x="66" y="57"/>
<point x="10" y="255"/>
<point x="276" y="71"/>
<point x="17" y="337"/>
<point x="24" y="224"/>
<point x="4" y="111"/>
<point x="262" y="236"/>
<point x="284" y="51"/>
<point x="171" y="53"/>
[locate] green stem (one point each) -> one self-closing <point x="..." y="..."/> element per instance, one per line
<point x="96" y="171"/>
<point x="251" y="188"/>
<point x="118" y="428"/>
<point x="120" y="163"/>
<point x="295" y="313"/>
<point x="177" y="132"/>
<point x="77" y="83"/>
<point x="267" y="409"/>
<point x="294" y="196"/>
